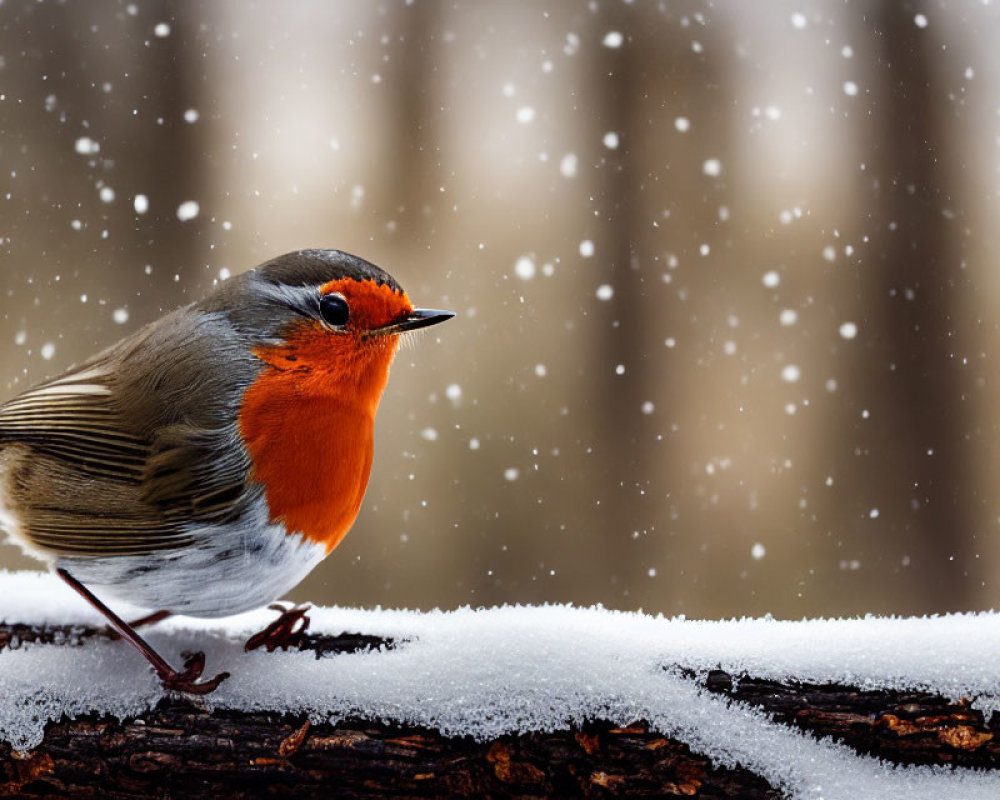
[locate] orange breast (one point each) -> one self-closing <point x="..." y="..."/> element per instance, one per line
<point x="309" y="432"/>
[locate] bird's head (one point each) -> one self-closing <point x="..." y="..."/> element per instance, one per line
<point x="332" y="318"/>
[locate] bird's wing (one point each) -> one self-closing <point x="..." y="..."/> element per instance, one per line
<point x="109" y="461"/>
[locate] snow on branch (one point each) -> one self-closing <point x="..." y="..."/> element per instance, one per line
<point x="507" y="701"/>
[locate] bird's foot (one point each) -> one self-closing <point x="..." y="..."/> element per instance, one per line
<point x="187" y="681"/>
<point x="286" y="631"/>
<point x="194" y="663"/>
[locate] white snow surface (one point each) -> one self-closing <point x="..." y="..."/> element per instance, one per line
<point x="486" y="672"/>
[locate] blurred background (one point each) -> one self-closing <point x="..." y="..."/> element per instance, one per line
<point x="725" y="274"/>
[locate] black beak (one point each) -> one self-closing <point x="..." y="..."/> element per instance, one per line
<point x="418" y="318"/>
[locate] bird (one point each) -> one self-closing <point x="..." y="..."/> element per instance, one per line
<point x="205" y="464"/>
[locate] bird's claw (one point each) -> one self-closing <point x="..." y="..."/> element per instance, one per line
<point x="187" y="681"/>
<point x="285" y="632"/>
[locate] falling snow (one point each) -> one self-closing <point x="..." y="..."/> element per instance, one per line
<point x="525" y="268"/>
<point x="848" y="330"/>
<point x="613" y="39"/>
<point x="188" y="210"/>
<point x="790" y="373"/>
<point x="568" y="165"/>
<point x="525" y="114"/>
<point x="86" y="146"/>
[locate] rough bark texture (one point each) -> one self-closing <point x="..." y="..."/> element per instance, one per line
<point x="181" y="750"/>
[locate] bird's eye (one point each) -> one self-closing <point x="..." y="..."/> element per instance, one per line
<point x="334" y="310"/>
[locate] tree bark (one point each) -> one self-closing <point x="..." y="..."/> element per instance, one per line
<point x="182" y="750"/>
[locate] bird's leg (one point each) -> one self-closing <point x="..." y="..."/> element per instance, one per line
<point x="194" y="663"/>
<point x="286" y="631"/>
<point x="149" y="619"/>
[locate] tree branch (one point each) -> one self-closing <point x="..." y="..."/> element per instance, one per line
<point x="181" y="749"/>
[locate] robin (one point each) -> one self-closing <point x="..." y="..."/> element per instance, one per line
<point x="207" y="463"/>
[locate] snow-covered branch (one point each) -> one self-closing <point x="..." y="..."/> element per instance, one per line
<point x="507" y="701"/>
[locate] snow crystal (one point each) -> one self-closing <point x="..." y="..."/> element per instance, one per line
<point x="788" y="316"/>
<point x="511" y="474"/>
<point x="920" y="21"/>
<point x="771" y="279"/>
<point x="107" y="194"/>
<point x="873" y="514"/>
<point x="683" y="124"/>
<point x="86" y="146"/>
<point x="850" y="88"/>
<point x="525" y="114"/>
<point x="712" y="167"/>
<point x="798" y="20"/>
<point x="605" y="292"/>
<point x="20" y="338"/>
<point x="473" y="443"/>
<point x="429" y="435"/>
<point x="568" y="165"/>
<point x="532" y="669"/>
<point x="140" y="204"/>
<point x="704" y="249"/>
<point x="524" y="268"/>
<point x="758" y="551"/>
<point x="48" y="351"/>
<point x="619" y="369"/>
<point x="772" y="113"/>
<point x="790" y="373"/>
<point x="191" y="115"/>
<point x="188" y="210"/>
<point x="829" y="253"/>
<point x="848" y="330"/>
<point x="453" y="392"/>
<point x="613" y="39"/>
<point x="162" y="30"/>
<point x="648" y="407"/>
<point x="541" y="370"/>
<point x="120" y="315"/>
<point x="586" y="248"/>
<point x="611" y="140"/>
